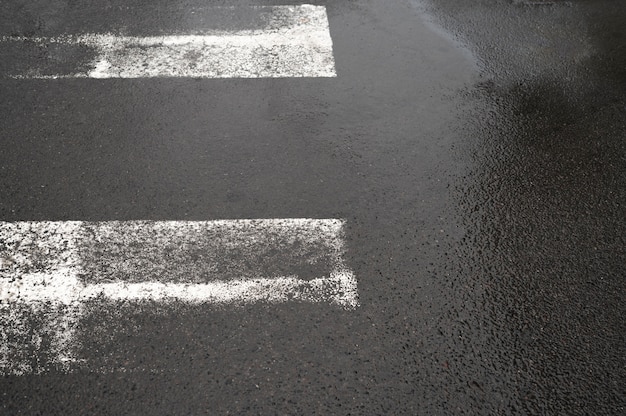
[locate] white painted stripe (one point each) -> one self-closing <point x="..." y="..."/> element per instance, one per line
<point x="274" y="290"/>
<point x="51" y="271"/>
<point x="64" y="289"/>
<point x="296" y="44"/>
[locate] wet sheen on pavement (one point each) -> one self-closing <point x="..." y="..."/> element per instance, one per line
<point x="475" y="149"/>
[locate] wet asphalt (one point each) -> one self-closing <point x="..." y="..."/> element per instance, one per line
<point x="476" y="150"/>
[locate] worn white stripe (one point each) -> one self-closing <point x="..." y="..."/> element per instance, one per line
<point x="65" y="289"/>
<point x="296" y="44"/>
<point x="52" y="271"/>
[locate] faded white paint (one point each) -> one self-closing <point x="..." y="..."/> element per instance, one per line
<point x="51" y="272"/>
<point x="295" y="43"/>
<point x="338" y="288"/>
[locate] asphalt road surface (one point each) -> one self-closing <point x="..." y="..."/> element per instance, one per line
<point x="473" y="153"/>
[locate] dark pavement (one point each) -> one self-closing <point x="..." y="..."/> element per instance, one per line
<point x="476" y="149"/>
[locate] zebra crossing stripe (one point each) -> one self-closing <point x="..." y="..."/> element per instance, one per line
<point x="296" y="42"/>
<point x="57" y="270"/>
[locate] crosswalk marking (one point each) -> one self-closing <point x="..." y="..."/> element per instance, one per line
<point x="53" y="273"/>
<point x="295" y="43"/>
<point x="54" y="269"/>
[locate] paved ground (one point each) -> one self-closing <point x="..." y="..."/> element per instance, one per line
<point x="475" y="149"/>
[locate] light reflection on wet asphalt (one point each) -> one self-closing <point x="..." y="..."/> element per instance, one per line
<point x="475" y="149"/>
